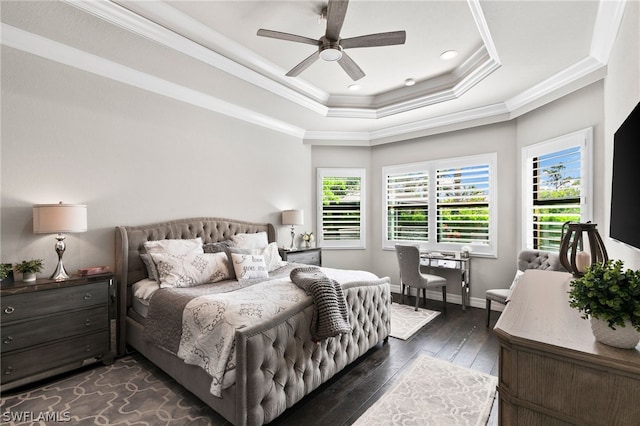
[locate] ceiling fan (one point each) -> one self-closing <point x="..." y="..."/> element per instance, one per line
<point x="331" y="46"/>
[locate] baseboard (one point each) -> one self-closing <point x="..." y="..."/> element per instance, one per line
<point x="474" y="302"/>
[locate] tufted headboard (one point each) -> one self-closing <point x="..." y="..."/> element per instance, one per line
<point x="536" y="259"/>
<point x="130" y="240"/>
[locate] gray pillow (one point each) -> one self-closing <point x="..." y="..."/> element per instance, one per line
<point x="217" y="247"/>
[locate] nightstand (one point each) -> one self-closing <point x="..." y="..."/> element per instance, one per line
<point x="309" y="256"/>
<point x="50" y="327"/>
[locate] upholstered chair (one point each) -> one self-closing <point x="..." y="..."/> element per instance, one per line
<point x="527" y="259"/>
<point x="410" y="275"/>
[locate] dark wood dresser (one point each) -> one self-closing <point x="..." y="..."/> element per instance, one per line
<point x="50" y="327"/>
<point x="552" y="371"/>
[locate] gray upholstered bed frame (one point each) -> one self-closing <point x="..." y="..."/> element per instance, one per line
<point x="277" y="363"/>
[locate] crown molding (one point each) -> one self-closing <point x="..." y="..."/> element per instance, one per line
<point x="272" y="78"/>
<point x="61" y="53"/>
<point x="579" y="75"/>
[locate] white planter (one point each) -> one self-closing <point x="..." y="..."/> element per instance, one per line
<point x="625" y="337"/>
<point x="29" y="277"/>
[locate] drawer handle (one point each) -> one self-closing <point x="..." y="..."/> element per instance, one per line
<point x="7" y="340"/>
<point x="87" y="322"/>
<point x="9" y="310"/>
<point x="8" y="371"/>
<point x="87" y="348"/>
<point x="87" y="296"/>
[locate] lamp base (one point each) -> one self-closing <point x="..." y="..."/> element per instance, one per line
<point x="60" y="274"/>
<point x="293" y="236"/>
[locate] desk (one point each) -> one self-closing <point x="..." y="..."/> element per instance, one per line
<point x="451" y="261"/>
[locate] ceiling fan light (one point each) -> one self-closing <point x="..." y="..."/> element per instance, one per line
<point x="331" y="54"/>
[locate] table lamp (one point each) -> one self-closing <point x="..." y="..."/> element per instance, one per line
<point x="292" y="217"/>
<point x="59" y="219"/>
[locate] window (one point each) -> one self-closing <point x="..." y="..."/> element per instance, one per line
<point x="556" y="187"/>
<point x="341" y="201"/>
<point x="441" y="205"/>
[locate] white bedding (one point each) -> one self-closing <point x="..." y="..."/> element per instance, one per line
<point x="209" y="322"/>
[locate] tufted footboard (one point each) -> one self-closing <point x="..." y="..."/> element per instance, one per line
<point x="278" y="364"/>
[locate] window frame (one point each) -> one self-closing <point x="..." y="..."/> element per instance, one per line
<point x="581" y="138"/>
<point x="352" y="244"/>
<point x="431" y="167"/>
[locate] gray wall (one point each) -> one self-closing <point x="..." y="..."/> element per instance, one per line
<point x="133" y="157"/>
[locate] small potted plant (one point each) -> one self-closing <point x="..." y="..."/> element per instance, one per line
<point x="609" y="297"/>
<point x="307" y="237"/>
<point x="4" y="270"/>
<point x="29" y="269"/>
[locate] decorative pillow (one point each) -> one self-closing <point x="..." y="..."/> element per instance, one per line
<point x="249" y="266"/>
<point x="145" y="288"/>
<point x="257" y="240"/>
<point x="152" y="272"/>
<point x="188" y="270"/>
<point x="217" y="247"/>
<point x="272" y="257"/>
<point x="229" y="251"/>
<point x="174" y="247"/>
<point x="519" y="274"/>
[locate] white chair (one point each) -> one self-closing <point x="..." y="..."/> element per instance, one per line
<point x="410" y="275"/>
<point x="527" y="259"/>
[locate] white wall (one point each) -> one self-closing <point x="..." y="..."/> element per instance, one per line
<point x="621" y="95"/>
<point x="133" y="157"/>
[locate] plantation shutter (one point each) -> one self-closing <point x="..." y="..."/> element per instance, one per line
<point x="407" y="206"/>
<point x="340" y="208"/>
<point x="463" y="204"/>
<point x="557" y="187"/>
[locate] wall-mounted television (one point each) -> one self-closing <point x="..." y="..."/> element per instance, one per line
<point x="625" y="185"/>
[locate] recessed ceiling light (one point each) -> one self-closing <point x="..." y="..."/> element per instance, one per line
<point x="448" y="54"/>
<point x="409" y="82"/>
<point x="353" y="87"/>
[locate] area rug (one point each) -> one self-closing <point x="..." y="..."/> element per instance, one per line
<point x="131" y="391"/>
<point x="433" y="392"/>
<point x="405" y="321"/>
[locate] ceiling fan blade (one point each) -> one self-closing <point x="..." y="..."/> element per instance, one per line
<point x="286" y="36"/>
<point x="336" y="11"/>
<point x="304" y="64"/>
<point x="372" y="40"/>
<point x="350" y="67"/>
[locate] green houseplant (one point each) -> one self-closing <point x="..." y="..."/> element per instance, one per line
<point x="609" y="296"/>
<point x="4" y="270"/>
<point x="29" y="268"/>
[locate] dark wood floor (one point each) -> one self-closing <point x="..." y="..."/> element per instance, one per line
<point x="457" y="336"/>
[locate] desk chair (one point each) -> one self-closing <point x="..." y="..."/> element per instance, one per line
<point x="410" y="275"/>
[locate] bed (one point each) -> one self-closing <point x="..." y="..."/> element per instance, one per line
<point x="277" y="361"/>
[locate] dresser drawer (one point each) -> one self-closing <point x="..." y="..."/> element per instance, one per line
<point x="21" y="334"/>
<point x="74" y="351"/>
<point x="21" y="306"/>
<point x="308" y="257"/>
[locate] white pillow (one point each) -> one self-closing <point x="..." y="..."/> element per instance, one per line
<point x="519" y="274"/>
<point x="247" y="266"/>
<point x="257" y="240"/>
<point x="191" y="269"/>
<point x="272" y="257"/>
<point x="175" y="247"/>
<point x="145" y="288"/>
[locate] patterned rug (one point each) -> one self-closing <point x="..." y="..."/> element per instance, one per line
<point x="433" y="392"/>
<point x="127" y="392"/>
<point x="405" y="321"/>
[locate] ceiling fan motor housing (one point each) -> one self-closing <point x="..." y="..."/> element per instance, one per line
<point x="330" y="50"/>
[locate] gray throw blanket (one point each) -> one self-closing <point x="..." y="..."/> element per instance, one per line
<point x="330" y="316"/>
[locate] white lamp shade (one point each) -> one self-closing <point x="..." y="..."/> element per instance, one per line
<point x="292" y="217"/>
<point x="59" y="218"/>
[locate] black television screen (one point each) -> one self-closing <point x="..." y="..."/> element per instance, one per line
<point x="625" y="188"/>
